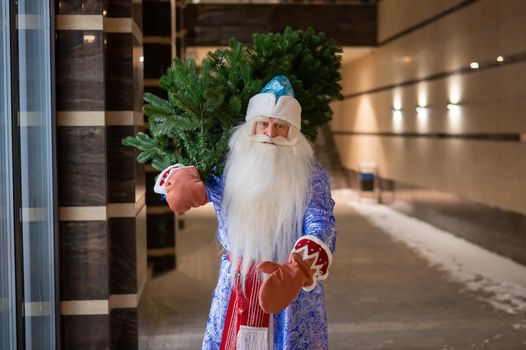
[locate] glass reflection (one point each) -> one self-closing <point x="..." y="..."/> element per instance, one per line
<point x="36" y="162"/>
<point x="7" y="259"/>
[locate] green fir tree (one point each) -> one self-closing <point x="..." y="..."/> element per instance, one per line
<point x="193" y="125"/>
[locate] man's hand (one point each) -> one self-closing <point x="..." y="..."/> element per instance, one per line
<point x="185" y="189"/>
<point x="284" y="283"/>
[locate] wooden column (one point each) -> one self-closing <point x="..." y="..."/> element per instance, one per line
<point x="101" y="188"/>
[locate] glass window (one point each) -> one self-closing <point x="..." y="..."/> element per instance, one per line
<point x="37" y="172"/>
<point x="7" y="246"/>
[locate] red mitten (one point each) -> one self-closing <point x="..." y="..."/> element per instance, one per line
<point x="309" y="261"/>
<point x="185" y="190"/>
<point x="284" y="283"/>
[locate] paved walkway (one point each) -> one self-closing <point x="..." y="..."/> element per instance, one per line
<point x="380" y="295"/>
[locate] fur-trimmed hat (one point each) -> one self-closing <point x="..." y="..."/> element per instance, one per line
<point x="276" y="100"/>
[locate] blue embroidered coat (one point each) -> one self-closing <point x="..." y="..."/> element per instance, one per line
<point x="303" y="324"/>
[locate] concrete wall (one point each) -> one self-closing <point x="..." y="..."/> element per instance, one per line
<point x="399" y="15"/>
<point x="476" y="152"/>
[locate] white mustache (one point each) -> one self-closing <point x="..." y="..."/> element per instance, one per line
<point x="278" y="140"/>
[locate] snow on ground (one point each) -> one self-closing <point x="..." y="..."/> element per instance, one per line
<point x="500" y="281"/>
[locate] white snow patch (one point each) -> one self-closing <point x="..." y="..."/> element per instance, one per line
<point x="501" y="280"/>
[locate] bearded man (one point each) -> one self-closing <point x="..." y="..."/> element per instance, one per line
<point x="275" y="222"/>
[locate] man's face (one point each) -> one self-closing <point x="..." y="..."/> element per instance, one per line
<point x="272" y="127"/>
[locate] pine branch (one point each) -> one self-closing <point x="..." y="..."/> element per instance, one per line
<point x="193" y="125"/>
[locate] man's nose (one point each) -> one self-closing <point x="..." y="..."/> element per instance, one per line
<point x="271" y="131"/>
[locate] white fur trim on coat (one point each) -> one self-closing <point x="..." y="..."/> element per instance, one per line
<point x="311" y="247"/>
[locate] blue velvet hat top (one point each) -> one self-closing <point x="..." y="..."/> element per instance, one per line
<point x="279" y="86"/>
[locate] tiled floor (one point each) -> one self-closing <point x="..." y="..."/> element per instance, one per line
<point x="380" y="295"/>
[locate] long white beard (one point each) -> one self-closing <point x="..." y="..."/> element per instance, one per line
<point x="265" y="195"/>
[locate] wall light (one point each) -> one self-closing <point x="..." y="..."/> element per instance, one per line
<point x="422" y="98"/>
<point x="453" y="106"/>
<point x="500" y="59"/>
<point x="397" y="114"/>
<point x="398" y="121"/>
<point x="455" y="89"/>
<point x="474" y="65"/>
<point x="422" y="113"/>
<point x="141" y="59"/>
<point x="454" y="119"/>
<point x="454" y="110"/>
<point x="104" y="13"/>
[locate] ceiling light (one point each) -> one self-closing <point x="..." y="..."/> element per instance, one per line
<point x="89" y="38"/>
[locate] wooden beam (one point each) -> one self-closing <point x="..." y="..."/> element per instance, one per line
<point x="214" y="25"/>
